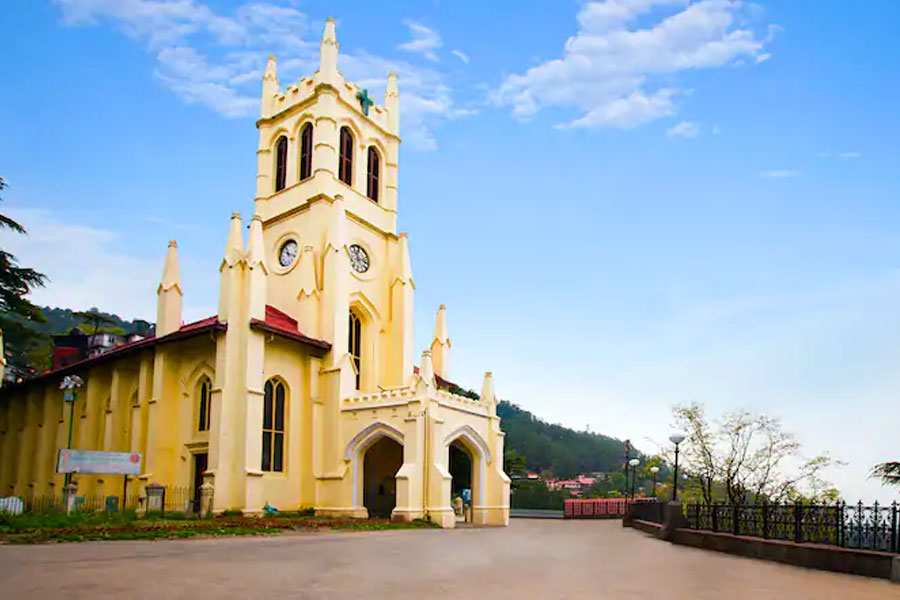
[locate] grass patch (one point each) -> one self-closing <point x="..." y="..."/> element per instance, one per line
<point x="84" y="526"/>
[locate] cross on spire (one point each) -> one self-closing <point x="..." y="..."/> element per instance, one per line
<point x="364" y="101"/>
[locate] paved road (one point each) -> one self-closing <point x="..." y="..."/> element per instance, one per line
<point x="530" y="559"/>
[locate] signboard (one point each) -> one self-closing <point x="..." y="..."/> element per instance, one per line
<point x="98" y="463"/>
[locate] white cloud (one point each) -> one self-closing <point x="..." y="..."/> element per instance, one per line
<point x="778" y="174"/>
<point x="217" y="61"/>
<point x="90" y="267"/>
<point x="609" y="69"/>
<point x="425" y="40"/>
<point x="685" y="129"/>
<point x="460" y="55"/>
<point x="846" y="155"/>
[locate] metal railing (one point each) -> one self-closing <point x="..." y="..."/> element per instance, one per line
<point x="648" y="510"/>
<point x="855" y="526"/>
<point x="175" y="499"/>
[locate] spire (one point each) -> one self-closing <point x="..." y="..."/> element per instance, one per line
<point x="171" y="276"/>
<point x="271" y="73"/>
<point x="487" y="389"/>
<point x="255" y="248"/>
<point x="426" y="369"/>
<point x="440" y="325"/>
<point x="404" y="273"/>
<point x="307" y="277"/>
<point x="168" y="295"/>
<point x="440" y="345"/>
<point x="269" y="86"/>
<point x="256" y="275"/>
<point x="336" y="238"/>
<point x="234" y="247"/>
<point x="328" y="52"/>
<point x="392" y="103"/>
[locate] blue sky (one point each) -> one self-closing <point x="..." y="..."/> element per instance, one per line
<point x="625" y="204"/>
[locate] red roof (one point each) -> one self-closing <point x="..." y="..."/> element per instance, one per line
<point x="185" y="331"/>
<point x="284" y="325"/>
<point x="276" y="322"/>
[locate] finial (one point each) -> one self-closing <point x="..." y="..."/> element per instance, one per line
<point x="328" y="55"/>
<point x="392" y="103"/>
<point x="405" y="273"/>
<point x="487" y="389"/>
<point x="171" y="275"/>
<point x="440" y="326"/>
<point x="255" y="250"/>
<point x="426" y="369"/>
<point x="234" y="247"/>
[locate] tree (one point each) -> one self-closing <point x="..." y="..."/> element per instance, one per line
<point x="17" y="313"/>
<point x="888" y="473"/>
<point x="96" y="319"/>
<point x="514" y="466"/>
<point x="748" y="457"/>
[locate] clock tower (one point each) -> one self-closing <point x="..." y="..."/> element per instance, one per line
<point x="326" y="195"/>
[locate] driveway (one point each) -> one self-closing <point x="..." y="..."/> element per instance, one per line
<point x="529" y="559"/>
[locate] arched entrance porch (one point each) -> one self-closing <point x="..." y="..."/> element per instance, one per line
<point x="381" y="461"/>
<point x="467" y="458"/>
<point x="461" y="468"/>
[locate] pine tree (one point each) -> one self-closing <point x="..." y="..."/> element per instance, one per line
<point x="17" y="313"/>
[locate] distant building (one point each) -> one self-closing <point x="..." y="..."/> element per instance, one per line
<point x="76" y="346"/>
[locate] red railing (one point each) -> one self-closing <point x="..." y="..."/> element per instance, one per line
<point x="602" y="508"/>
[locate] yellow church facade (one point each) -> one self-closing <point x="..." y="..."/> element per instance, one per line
<point x="302" y="390"/>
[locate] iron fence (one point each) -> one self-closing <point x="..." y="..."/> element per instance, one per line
<point x="180" y="499"/>
<point x="856" y="526"/>
<point x="175" y="499"/>
<point x="648" y="510"/>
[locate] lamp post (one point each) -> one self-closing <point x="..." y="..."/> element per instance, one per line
<point x="654" y="470"/>
<point x="69" y="386"/>
<point x="634" y="463"/>
<point x="676" y="438"/>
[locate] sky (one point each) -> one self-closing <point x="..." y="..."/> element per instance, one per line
<point x="625" y="205"/>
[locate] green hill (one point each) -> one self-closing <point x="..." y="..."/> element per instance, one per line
<point x="555" y="449"/>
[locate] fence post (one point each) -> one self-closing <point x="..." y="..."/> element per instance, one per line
<point x="715" y="517"/>
<point x="894" y="534"/>
<point x="841" y="530"/>
<point x="798" y="516"/>
<point x="765" y="520"/>
<point x="735" y="522"/>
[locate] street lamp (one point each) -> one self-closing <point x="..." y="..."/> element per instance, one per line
<point x="634" y="463"/>
<point x="676" y="438"/>
<point x="69" y="386"/>
<point x="654" y="470"/>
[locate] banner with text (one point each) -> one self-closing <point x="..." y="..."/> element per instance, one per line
<point x="98" y="463"/>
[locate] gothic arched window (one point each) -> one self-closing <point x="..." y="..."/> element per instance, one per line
<point x="373" y="174"/>
<point x="306" y="149"/>
<point x="354" y="344"/>
<point x="345" y="165"/>
<point x="273" y="426"/>
<point x="281" y="149"/>
<point x="204" y="390"/>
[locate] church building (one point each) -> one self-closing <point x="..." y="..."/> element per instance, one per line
<point x="302" y="391"/>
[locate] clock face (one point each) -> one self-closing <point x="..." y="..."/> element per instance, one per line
<point x="359" y="260"/>
<point x="288" y="253"/>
